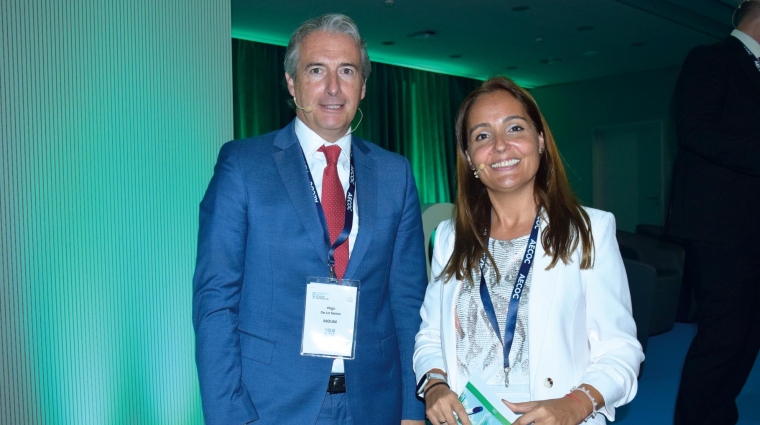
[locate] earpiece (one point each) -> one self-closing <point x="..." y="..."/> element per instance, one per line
<point x="307" y="109"/>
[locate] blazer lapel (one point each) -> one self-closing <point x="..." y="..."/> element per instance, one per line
<point x="366" y="197"/>
<point x="292" y="169"/>
<point x="541" y="304"/>
<point x="745" y="60"/>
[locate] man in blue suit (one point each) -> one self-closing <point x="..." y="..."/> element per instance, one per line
<point x="261" y="235"/>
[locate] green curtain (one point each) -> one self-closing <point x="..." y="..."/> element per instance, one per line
<point x="407" y="111"/>
<point x="259" y="95"/>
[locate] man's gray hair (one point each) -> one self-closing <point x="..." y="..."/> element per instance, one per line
<point x="332" y="23"/>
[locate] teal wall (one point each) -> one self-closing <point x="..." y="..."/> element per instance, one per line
<point x="112" y="116"/>
<point x="575" y="110"/>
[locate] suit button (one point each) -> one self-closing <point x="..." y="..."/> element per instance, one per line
<point x="548" y="383"/>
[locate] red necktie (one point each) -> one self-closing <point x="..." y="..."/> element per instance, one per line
<point x="334" y="206"/>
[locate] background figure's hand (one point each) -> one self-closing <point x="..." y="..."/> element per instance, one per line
<point x="440" y="403"/>
<point x="556" y="411"/>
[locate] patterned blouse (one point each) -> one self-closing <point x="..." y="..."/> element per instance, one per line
<point x="479" y="350"/>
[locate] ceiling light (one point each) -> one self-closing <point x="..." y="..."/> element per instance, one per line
<point x="423" y="35"/>
<point x="590" y="53"/>
<point x="390" y="3"/>
<point x="539" y="39"/>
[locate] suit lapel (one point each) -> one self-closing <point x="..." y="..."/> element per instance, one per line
<point x="366" y="196"/>
<point x="292" y="170"/>
<point x="541" y="304"/>
<point x="746" y="62"/>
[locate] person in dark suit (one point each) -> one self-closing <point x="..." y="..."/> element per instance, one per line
<point x="715" y="203"/>
<point x="261" y="236"/>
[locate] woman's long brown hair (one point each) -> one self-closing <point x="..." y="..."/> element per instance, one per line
<point x="568" y="222"/>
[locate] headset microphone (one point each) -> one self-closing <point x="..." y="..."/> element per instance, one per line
<point x="307" y="109"/>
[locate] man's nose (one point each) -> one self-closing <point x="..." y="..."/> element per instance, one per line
<point x="333" y="84"/>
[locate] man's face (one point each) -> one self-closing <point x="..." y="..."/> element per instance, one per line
<point x="328" y="83"/>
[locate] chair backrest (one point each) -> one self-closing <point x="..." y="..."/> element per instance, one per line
<point x="663" y="256"/>
<point x="641" y="283"/>
<point x="432" y="216"/>
<point x="658" y="232"/>
<point x="629" y="253"/>
<point x="650" y="230"/>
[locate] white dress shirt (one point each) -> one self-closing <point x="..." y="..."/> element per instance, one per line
<point x="310" y="143"/>
<point x="748" y="41"/>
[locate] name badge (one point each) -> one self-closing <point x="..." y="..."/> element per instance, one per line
<point x="329" y="322"/>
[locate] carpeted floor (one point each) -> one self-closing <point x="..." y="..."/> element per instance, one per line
<point x="655" y="401"/>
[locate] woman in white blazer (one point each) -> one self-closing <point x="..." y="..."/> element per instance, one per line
<point x="574" y="321"/>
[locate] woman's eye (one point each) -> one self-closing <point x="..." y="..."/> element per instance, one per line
<point x="481" y="136"/>
<point x="516" y="128"/>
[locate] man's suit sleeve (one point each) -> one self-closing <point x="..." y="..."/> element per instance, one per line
<point x="216" y="294"/>
<point x="407" y="289"/>
<point x="700" y="97"/>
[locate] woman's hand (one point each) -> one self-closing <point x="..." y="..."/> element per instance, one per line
<point x="556" y="411"/>
<point x="440" y="402"/>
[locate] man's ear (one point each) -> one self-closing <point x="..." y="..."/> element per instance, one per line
<point x="292" y="85"/>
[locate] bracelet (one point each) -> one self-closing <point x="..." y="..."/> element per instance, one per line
<point x="433" y="385"/>
<point x="590" y="397"/>
<point x="583" y="411"/>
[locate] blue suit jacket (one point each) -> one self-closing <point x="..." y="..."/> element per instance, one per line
<point x="260" y="237"/>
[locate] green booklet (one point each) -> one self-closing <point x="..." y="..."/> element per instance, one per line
<point x="484" y="407"/>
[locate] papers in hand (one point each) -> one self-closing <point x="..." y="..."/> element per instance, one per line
<point x="483" y="406"/>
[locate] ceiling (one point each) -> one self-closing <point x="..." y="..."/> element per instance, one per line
<point x="552" y="42"/>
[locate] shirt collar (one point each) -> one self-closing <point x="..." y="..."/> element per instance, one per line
<point x="311" y="141"/>
<point x="748" y="41"/>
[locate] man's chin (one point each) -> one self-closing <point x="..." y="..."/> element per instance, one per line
<point x="336" y="127"/>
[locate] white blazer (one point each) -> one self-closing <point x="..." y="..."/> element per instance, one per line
<point x="580" y="328"/>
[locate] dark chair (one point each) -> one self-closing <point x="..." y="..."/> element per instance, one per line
<point x="642" y="279"/>
<point x="650" y="230"/>
<point x="629" y="253"/>
<point x="667" y="261"/>
<point x="687" y="306"/>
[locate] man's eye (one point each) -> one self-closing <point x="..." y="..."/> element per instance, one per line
<point x="315" y="71"/>
<point x="347" y="71"/>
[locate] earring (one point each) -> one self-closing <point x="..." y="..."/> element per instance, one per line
<point x="475" y="173"/>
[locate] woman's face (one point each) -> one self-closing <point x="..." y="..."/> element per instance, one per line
<point x="503" y="143"/>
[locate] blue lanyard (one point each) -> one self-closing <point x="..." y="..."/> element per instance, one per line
<point x="514" y="301"/>
<point x="348" y="221"/>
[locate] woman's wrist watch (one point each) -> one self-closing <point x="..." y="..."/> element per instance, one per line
<point x="424" y="381"/>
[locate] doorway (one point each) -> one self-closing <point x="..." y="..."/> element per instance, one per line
<point x="628" y="173"/>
